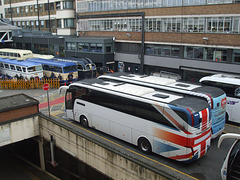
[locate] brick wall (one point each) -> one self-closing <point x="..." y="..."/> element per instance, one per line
<point x="18" y="113"/>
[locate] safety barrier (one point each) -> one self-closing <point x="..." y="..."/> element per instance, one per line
<point x="28" y="84"/>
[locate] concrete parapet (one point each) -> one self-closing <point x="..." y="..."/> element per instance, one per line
<point x="109" y="161"/>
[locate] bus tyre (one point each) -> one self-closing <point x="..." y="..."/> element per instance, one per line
<point x="84" y="121"/>
<point x="144" y="145"/>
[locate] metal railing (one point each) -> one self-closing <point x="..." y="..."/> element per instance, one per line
<point x="13" y="84"/>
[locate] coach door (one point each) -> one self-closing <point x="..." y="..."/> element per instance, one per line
<point x="69" y="101"/>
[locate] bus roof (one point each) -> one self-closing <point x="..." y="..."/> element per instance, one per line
<point x="143" y="78"/>
<point x="222" y="78"/>
<point x="22" y="51"/>
<point x="164" y="84"/>
<point x="82" y="61"/>
<point x="51" y="62"/>
<point x="196" y="104"/>
<point x="19" y="62"/>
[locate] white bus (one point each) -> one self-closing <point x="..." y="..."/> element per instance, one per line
<point x="231" y="165"/>
<point x="214" y="96"/>
<point x="173" y="126"/>
<point x="13" y="67"/>
<point x="231" y="85"/>
<point x="18" y="54"/>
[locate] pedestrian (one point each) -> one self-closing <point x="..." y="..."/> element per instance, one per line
<point x="32" y="78"/>
<point x="70" y="77"/>
<point x="17" y="76"/>
<point x="21" y="77"/>
<point x="59" y="77"/>
<point x="53" y="75"/>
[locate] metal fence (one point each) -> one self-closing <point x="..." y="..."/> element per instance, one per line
<point x="28" y="84"/>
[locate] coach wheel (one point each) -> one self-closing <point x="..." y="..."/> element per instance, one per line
<point x="84" y="121"/>
<point x="144" y="145"/>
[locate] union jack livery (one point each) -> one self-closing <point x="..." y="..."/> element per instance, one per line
<point x="174" y="126"/>
<point x="215" y="97"/>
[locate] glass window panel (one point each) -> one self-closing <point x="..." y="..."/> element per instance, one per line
<point x="227" y="25"/>
<point x="158" y="50"/>
<point x="158" y="24"/>
<point x="220" y="55"/>
<point x="236" y="24"/>
<point x="175" y="51"/>
<point x="198" y="53"/>
<point x="188" y="52"/>
<point x="149" y="49"/>
<point x="236" y="56"/>
<point x="166" y="51"/>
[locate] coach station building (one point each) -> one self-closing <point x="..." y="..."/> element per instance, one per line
<point x="191" y="38"/>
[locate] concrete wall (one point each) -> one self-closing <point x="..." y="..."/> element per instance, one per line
<point x="111" y="163"/>
<point x="19" y="130"/>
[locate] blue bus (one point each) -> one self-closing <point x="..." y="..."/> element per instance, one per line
<point x="86" y="68"/>
<point x="25" y="69"/>
<point x="53" y="68"/>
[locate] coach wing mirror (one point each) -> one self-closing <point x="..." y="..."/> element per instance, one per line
<point x="62" y="89"/>
<point x="237" y="92"/>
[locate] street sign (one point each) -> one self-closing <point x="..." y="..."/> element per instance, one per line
<point x="46" y="87"/>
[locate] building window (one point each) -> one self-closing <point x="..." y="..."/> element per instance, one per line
<point x="68" y="23"/>
<point x="193" y="52"/>
<point x="27" y="24"/>
<point x="40" y="6"/>
<point x="26" y="9"/>
<point x="236" y="55"/>
<point x="71" y="46"/>
<point x="59" y="23"/>
<point x="162" y="50"/>
<point x="219" y="24"/>
<point x="179" y="24"/>
<point x="18" y="10"/>
<point x="31" y="8"/>
<point x="37" y="24"/>
<point x="53" y="23"/>
<point x="58" y="5"/>
<point x="42" y="24"/>
<point x="21" y="10"/>
<point x="51" y="6"/>
<point x="32" y="24"/>
<point x="204" y="53"/>
<point x="68" y="5"/>
<point x="236" y="25"/>
<point x="46" y="7"/>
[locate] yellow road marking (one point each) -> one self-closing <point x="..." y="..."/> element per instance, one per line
<point x="233" y="125"/>
<point x="127" y="149"/>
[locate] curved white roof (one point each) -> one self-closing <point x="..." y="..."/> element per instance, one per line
<point x="222" y="78"/>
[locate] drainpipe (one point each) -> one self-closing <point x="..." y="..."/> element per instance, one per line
<point x="52" y="143"/>
<point x="142" y="43"/>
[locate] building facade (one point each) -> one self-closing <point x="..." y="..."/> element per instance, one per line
<point x="190" y="38"/>
<point x="55" y="16"/>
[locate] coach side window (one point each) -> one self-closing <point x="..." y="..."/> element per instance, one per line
<point x="6" y="66"/>
<point x="19" y="68"/>
<point x="12" y="67"/>
<point x="1" y="64"/>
